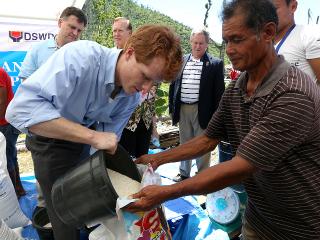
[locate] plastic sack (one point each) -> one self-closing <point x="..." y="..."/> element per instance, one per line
<point x="109" y="229"/>
<point x="218" y="235"/>
<point x="10" y="211"/>
<point x="151" y="225"/>
<point x="155" y="141"/>
<point x="6" y="233"/>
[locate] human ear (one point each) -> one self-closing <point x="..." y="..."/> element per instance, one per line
<point x="269" y="31"/>
<point x="129" y="52"/>
<point x="60" y="22"/>
<point x="293" y="6"/>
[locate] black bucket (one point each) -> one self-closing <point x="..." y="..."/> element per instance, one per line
<point x="39" y="220"/>
<point x="85" y="193"/>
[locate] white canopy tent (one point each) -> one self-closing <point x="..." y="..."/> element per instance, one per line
<point x="22" y="24"/>
<point x="36" y="9"/>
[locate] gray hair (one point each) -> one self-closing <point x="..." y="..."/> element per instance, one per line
<point x="123" y="19"/>
<point x="200" y="31"/>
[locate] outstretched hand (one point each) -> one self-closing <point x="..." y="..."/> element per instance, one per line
<point x="148" y="159"/>
<point x="149" y="197"/>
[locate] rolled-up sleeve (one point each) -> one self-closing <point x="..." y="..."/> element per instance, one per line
<point x="42" y="96"/>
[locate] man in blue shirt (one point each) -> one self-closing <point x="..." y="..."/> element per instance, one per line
<point x="86" y="86"/>
<point x="71" y="23"/>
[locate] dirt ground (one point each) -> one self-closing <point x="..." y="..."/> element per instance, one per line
<point x="25" y="162"/>
<point x="24" y="156"/>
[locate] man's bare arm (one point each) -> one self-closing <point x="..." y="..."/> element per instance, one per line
<point x="207" y="181"/>
<point x="194" y="148"/>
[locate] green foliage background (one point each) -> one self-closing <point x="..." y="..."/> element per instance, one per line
<point x="101" y="13"/>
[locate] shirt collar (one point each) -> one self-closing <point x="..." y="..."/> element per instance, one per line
<point x="192" y="59"/>
<point x="52" y="43"/>
<point x="277" y="71"/>
<point x="114" y="54"/>
<point x="56" y="43"/>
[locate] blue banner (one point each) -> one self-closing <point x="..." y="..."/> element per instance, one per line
<point x="11" y="62"/>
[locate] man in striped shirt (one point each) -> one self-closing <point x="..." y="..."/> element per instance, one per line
<point x="271" y="117"/>
<point x="194" y="96"/>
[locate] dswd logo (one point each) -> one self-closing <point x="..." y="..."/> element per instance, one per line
<point x="15" y="36"/>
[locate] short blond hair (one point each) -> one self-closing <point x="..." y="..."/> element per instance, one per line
<point x="123" y="19"/>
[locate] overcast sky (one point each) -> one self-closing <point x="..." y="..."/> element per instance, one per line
<point x="191" y="12"/>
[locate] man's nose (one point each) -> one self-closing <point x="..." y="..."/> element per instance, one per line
<point x="229" y="49"/>
<point x="147" y="86"/>
<point x="75" y="32"/>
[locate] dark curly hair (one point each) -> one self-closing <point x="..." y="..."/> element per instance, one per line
<point x="257" y="12"/>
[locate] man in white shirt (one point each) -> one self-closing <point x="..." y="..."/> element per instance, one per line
<point x="121" y="31"/>
<point x="300" y="45"/>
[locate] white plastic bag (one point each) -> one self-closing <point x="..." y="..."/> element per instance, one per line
<point x="150" y="225"/>
<point x="109" y="229"/>
<point x="6" y="233"/>
<point x="218" y="235"/>
<point x="10" y="210"/>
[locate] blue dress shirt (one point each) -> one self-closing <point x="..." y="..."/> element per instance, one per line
<point x="75" y="83"/>
<point x="36" y="56"/>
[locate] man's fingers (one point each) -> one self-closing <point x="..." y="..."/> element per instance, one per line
<point x="138" y="206"/>
<point x="154" y="166"/>
<point x="133" y="207"/>
<point x="137" y="195"/>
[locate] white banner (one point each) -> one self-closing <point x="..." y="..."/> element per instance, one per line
<point x="16" y="38"/>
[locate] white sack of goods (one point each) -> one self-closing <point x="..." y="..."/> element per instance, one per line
<point x="10" y="211"/>
<point x="150" y="225"/>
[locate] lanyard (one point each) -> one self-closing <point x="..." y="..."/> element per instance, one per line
<point x="284" y="37"/>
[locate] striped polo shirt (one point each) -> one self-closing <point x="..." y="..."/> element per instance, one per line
<point x="190" y="84"/>
<point x="277" y="129"/>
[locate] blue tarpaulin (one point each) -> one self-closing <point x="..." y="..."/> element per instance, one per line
<point x="186" y="218"/>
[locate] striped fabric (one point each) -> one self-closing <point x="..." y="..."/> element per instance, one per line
<point x="278" y="130"/>
<point x="191" y="81"/>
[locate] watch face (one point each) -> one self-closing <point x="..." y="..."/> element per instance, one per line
<point x="223" y="206"/>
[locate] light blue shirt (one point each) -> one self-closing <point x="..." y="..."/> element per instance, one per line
<point x="36" y="56"/>
<point x="75" y="83"/>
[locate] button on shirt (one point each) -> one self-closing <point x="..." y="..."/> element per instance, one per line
<point x="75" y="83"/>
<point x="37" y="56"/>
